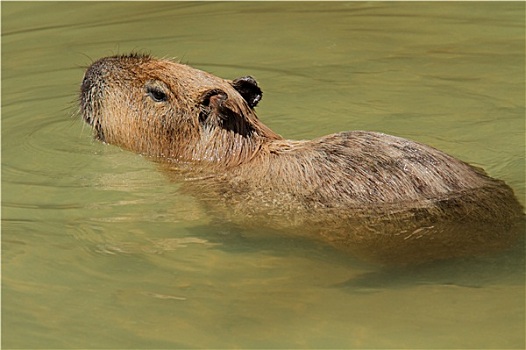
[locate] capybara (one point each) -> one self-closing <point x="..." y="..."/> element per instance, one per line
<point x="382" y="197"/>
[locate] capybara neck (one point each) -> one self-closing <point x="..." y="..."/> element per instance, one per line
<point x="168" y="110"/>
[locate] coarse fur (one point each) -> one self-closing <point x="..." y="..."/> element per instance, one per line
<point x="369" y="192"/>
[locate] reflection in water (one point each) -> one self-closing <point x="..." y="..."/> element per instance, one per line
<point x="100" y="251"/>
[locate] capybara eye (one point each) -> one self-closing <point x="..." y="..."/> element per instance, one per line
<point x="156" y="94"/>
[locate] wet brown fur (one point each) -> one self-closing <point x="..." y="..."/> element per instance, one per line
<point x="366" y="191"/>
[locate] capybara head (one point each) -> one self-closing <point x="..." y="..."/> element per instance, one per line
<point x="165" y="109"/>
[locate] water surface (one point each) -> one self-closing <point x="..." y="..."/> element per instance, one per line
<point x="99" y="250"/>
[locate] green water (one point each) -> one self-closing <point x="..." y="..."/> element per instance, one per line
<point x="99" y="250"/>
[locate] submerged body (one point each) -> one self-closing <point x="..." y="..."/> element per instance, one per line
<point x="381" y="196"/>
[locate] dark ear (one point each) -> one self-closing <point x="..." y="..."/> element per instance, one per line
<point x="211" y="105"/>
<point x="215" y="113"/>
<point x="249" y="89"/>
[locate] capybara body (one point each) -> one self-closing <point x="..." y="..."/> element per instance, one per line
<point x="383" y="197"/>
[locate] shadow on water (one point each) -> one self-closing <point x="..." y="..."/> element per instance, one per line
<point x="235" y="239"/>
<point x="497" y="268"/>
<point x="506" y="268"/>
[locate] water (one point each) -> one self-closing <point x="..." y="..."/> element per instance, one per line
<point x="99" y="250"/>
